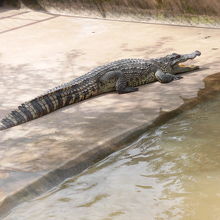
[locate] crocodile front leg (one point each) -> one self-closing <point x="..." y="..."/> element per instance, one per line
<point x="166" y="77"/>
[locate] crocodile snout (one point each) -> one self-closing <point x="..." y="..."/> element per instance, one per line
<point x="198" y="53"/>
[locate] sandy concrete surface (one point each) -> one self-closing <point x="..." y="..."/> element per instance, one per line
<point x="39" y="51"/>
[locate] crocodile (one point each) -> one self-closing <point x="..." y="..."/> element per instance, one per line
<point x="122" y="76"/>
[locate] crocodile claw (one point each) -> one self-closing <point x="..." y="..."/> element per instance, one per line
<point x="177" y="77"/>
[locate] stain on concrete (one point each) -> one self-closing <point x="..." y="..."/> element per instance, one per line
<point x="158" y="48"/>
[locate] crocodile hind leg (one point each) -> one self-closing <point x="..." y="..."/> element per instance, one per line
<point x="121" y="82"/>
<point x="121" y="86"/>
<point x="166" y="77"/>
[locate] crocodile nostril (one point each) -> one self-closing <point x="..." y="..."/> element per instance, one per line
<point x="198" y="53"/>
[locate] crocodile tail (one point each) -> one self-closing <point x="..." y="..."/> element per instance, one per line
<point x="40" y="106"/>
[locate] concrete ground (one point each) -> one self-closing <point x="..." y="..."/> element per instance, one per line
<point x="39" y="51"/>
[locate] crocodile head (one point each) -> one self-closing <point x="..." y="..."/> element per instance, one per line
<point x="173" y="63"/>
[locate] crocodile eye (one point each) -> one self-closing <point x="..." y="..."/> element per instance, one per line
<point x="175" y="56"/>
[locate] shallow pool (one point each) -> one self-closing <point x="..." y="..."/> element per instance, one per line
<point x="172" y="172"/>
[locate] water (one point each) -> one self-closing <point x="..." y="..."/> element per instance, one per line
<point x="172" y="172"/>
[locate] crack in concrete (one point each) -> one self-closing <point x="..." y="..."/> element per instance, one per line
<point x="26" y="25"/>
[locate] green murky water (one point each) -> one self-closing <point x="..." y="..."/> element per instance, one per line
<point x="172" y="172"/>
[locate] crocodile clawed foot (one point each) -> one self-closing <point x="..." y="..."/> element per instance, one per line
<point x="128" y="90"/>
<point x="177" y="77"/>
<point x="135" y="89"/>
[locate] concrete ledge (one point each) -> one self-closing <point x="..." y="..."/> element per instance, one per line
<point x="40" y="154"/>
<point x="128" y="6"/>
<point x="206" y="13"/>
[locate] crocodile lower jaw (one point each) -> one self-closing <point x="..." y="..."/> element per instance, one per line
<point x="183" y="65"/>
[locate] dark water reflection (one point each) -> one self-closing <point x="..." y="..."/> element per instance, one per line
<point x="172" y="172"/>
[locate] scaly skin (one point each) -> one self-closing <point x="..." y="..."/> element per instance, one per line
<point x="122" y="76"/>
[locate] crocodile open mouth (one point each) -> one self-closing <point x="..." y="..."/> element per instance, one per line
<point x="186" y="65"/>
<point x="185" y="60"/>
